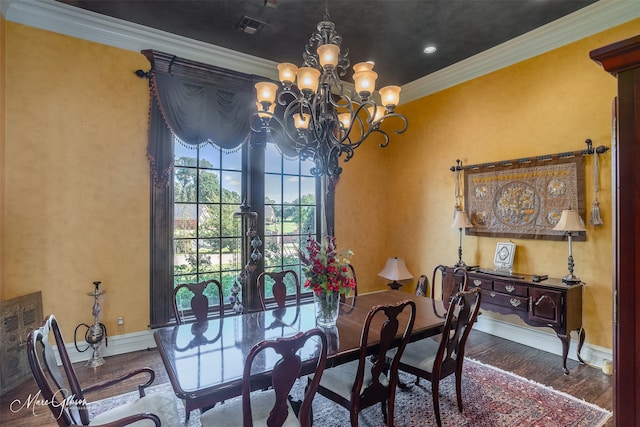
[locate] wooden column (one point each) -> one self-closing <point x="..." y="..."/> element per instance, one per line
<point x="622" y="59"/>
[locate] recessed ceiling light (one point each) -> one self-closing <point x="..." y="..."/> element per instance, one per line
<point x="430" y="49"/>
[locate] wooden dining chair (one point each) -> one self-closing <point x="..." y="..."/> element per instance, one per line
<point x="277" y="282"/>
<point x="200" y="297"/>
<point x="364" y="382"/>
<point x="446" y="282"/>
<point x="433" y="360"/>
<point x="272" y="407"/>
<point x="66" y="398"/>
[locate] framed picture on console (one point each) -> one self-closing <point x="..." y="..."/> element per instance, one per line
<point x="503" y="258"/>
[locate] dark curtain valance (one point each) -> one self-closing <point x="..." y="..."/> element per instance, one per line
<point x="200" y="103"/>
<point x="198" y="113"/>
<point x="197" y="103"/>
<point x="212" y="108"/>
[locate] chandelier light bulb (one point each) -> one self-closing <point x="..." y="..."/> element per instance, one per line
<point x="301" y="120"/>
<point x="365" y="82"/>
<point x="308" y="78"/>
<point x="266" y="92"/>
<point x="261" y="113"/>
<point x="364" y="66"/>
<point x="287" y="73"/>
<point x="390" y="96"/>
<point x="376" y="113"/>
<point x="345" y="120"/>
<point x="328" y="55"/>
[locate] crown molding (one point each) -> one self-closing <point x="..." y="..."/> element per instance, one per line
<point x="75" y="22"/>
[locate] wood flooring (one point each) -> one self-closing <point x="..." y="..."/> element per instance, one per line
<point x="583" y="382"/>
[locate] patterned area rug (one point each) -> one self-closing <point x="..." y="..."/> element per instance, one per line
<point x="491" y="397"/>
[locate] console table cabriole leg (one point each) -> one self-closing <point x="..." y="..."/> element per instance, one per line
<point x="565" y="351"/>
<point x="581" y="336"/>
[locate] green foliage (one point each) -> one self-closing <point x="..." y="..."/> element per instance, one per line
<point x="205" y="209"/>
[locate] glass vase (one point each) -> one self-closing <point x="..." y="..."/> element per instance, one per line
<point x="327" y="308"/>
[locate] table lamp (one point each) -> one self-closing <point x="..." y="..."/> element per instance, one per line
<point x="395" y="270"/>
<point x="570" y="222"/>
<point x="460" y="221"/>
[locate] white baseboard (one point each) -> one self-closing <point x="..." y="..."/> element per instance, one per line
<point x="542" y="339"/>
<point x="116" y="344"/>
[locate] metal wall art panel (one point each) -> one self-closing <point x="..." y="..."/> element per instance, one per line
<point x="524" y="199"/>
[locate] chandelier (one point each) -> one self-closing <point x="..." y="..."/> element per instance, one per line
<point x="320" y="120"/>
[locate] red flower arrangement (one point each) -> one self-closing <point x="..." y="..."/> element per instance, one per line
<point x="326" y="269"/>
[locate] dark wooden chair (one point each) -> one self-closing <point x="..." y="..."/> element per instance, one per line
<point x="199" y="303"/>
<point x="369" y="380"/>
<point x="61" y="390"/>
<point x="272" y="407"/>
<point x="446" y="282"/>
<point x="277" y="282"/>
<point x="435" y="360"/>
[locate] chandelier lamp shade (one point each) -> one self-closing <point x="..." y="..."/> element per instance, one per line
<point x="322" y="121"/>
<point x="570" y="222"/>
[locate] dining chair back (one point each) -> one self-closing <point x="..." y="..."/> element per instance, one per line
<point x="201" y="298"/>
<point x="369" y="380"/>
<point x="65" y="397"/>
<point x="446" y="282"/>
<point x="434" y="360"/>
<point x="272" y="407"/>
<point x="277" y="282"/>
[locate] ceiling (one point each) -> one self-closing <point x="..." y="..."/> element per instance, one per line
<point x="393" y="33"/>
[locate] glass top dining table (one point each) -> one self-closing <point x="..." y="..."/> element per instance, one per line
<point x="205" y="360"/>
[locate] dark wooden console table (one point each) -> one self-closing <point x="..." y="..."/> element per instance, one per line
<point x="548" y="303"/>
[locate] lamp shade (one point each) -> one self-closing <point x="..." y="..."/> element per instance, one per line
<point x="365" y="82"/>
<point x="328" y="55"/>
<point x="308" y="78"/>
<point x="301" y="121"/>
<point x="376" y="113"/>
<point x="287" y="72"/>
<point x="271" y="109"/>
<point x="395" y="269"/>
<point x="569" y="221"/>
<point x="461" y="220"/>
<point x="345" y="120"/>
<point x="364" y="66"/>
<point x="266" y="92"/>
<point x="390" y="96"/>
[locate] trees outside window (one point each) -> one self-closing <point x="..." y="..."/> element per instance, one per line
<point x="207" y="236"/>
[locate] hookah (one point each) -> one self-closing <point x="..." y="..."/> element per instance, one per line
<point x="94" y="333"/>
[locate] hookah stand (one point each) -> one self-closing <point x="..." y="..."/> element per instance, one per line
<point x="97" y="331"/>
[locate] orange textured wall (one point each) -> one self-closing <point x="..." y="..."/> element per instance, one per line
<point x="76" y="177"/>
<point x="547" y="104"/>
